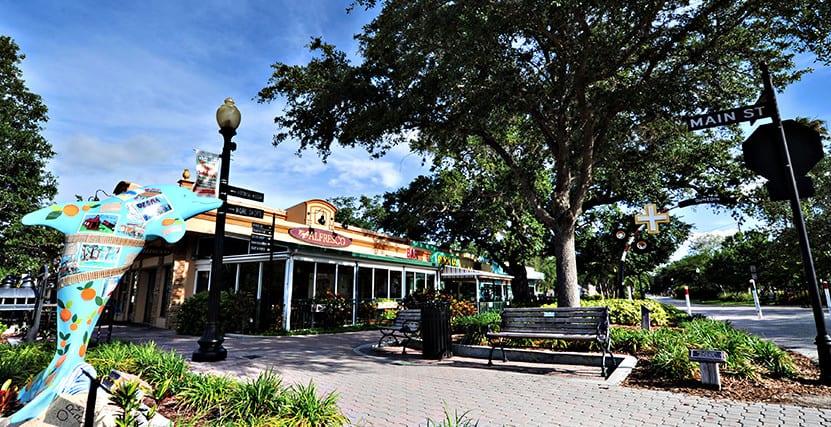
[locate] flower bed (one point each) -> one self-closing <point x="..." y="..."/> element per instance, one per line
<point x="188" y="398"/>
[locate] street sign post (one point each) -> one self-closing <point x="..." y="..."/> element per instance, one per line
<point x="823" y="341"/>
<point x="748" y="113"/>
<point x="244" y="211"/>
<point x="245" y="193"/>
<point x="780" y="168"/>
<point x="709" y="361"/>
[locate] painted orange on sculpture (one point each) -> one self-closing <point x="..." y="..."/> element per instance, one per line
<point x="88" y="294"/>
<point x="83" y="350"/>
<point x="168" y="221"/>
<point x="60" y="361"/>
<point x="66" y="315"/>
<point x="70" y="210"/>
<point x="73" y="327"/>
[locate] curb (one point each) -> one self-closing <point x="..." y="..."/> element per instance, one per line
<point x="622" y="364"/>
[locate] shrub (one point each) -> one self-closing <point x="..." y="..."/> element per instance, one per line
<point x="206" y="394"/>
<point x="671" y="359"/>
<point x="626" y="312"/>
<point x="476" y="326"/>
<point x="126" y="398"/>
<point x="304" y="408"/>
<point x="748" y="356"/>
<point x="20" y="362"/>
<point x="3" y="328"/>
<point x="455" y="420"/>
<point x="458" y="307"/>
<point x="8" y="397"/>
<point x="630" y="340"/>
<point x="263" y="397"/>
<point x="235" y="312"/>
<point x="145" y="360"/>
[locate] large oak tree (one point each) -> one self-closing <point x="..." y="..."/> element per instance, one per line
<point x="582" y="94"/>
<point x="25" y="184"/>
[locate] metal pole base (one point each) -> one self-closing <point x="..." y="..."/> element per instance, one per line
<point x="210" y="351"/>
<point x="210" y="346"/>
<point x="823" y="343"/>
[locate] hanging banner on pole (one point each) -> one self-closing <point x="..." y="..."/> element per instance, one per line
<point x="207" y="171"/>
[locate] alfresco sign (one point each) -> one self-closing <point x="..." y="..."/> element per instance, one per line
<point x="320" y="237"/>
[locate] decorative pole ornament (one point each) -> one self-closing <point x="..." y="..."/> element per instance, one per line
<point x="651" y="218"/>
<point x="102" y="240"/>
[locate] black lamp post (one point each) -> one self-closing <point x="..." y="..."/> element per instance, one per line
<point x="210" y="345"/>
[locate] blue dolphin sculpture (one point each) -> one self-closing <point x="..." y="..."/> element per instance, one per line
<point x="102" y="240"/>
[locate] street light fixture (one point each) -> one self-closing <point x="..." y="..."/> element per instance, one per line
<point x="210" y="345"/>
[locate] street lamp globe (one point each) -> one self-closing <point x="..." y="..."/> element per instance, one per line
<point x="227" y="115"/>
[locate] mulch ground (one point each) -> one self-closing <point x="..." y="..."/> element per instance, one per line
<point x="803" y="390"/>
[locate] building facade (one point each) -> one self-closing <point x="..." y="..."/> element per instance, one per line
<point x="311" y="259"/>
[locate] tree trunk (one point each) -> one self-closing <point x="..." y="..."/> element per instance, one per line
<point x="568" y="290"/>
<point x="519" y="284"/>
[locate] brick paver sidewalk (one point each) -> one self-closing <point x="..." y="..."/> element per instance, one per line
<point x="378" y="391"/>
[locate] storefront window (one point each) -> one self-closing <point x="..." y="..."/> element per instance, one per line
<point x="345" y="281"/>
<point x="271" y="304"/>
<point x="431" y="282"/>
<point x="497" y="291"/>
<point x="410" y="283"/>
<point x="202" y="283"/>
<point x="364" y="283"/>
<point x="249" y="276"/>
<point x="325" y="279"/>
<point x="229" y="277"/>
<point x="381" y="283"/>
<point x="419" y="281"/>
<point x="302" y="280"/>
<point x="395" y="284"/>
<point x="166" y="284"/>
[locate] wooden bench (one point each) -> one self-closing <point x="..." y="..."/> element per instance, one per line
<point x="567" y="323"/>
<point x="407" y="325"/>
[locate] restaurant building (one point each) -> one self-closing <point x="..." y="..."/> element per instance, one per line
<point x="311" y="258"/>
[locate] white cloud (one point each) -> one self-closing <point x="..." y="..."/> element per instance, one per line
<point x="356" y="174"/>
<point x="684" y="249"/>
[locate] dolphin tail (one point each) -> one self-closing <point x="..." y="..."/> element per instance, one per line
<point x="42" y="392"/>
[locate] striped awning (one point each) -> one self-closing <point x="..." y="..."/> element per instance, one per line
<point x="469" y="273"/>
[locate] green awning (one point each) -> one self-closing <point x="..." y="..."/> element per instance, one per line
<point x="395" y="260"/>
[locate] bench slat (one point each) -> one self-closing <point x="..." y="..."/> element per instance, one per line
<point x="552" y="336"/>
<point x="562" y="309"/>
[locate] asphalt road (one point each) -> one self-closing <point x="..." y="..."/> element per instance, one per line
<point x="790" y="327"/>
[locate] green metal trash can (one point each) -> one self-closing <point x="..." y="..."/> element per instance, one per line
<point x="435" y="330"/>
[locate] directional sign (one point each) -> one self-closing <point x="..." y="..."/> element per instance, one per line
<point x="651" y="218"/>
<point x="257" y="228"/>
<point x="245" y="193"/>
<point x="259" y="247"/>
<point x="260" y="238"/>
<point x="704" y="200"/>
<point x="727" y="117"/>
<point x="708" y="356"/>
<point x="244" y="211"/>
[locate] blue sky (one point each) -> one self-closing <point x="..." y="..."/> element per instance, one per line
<point x="132" y="90"/>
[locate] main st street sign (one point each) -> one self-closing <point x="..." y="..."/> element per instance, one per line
<point x="747" y="113"/>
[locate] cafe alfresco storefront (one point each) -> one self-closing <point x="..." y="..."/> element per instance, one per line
<point x="316" y="271"/>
